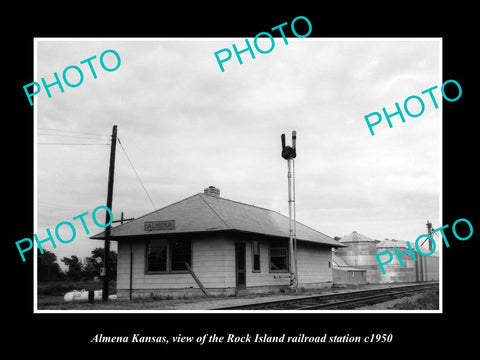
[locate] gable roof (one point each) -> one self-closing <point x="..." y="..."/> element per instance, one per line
<point x="206" y="213"/>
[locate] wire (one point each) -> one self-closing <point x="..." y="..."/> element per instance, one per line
<point x="423" y="242"/>
<point x="48" y="143"/>
<point x="138" y="177"/>
<point x="435" y="234"/>
<point x="56" y="206"/>
<point x="70" y="136"/>
<point x="72" y="132"/>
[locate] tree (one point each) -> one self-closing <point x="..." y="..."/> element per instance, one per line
<point x="75" y="268"/>
<point x="47" y="267"/>
<point x="93" y="267"/>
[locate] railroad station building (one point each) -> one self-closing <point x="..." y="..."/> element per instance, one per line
<point x="224" y="246"/>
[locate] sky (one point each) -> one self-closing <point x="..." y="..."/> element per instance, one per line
<point x="185" y="125"/>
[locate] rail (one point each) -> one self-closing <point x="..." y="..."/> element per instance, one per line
<point x="344" y="300"/>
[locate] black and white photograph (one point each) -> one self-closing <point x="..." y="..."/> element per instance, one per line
<point x="283" y="185"/>
<point x="204" y="187"/>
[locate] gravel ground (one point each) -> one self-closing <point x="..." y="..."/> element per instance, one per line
<point x="200" y="303"/>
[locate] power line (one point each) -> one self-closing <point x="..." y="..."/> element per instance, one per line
<point x="70" y="136"/>
<point x="51" y="143"/>
<point x="434" y="234"/>
<point x="138" y="177"/>
<point x="72" y="132"/>
<point x="57" y="206"/>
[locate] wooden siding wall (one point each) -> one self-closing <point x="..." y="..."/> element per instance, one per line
<point x="313" y="263"/>
<point x="213" y="261"/>
<point x="208" y="263"/>
<point x="264" y="277"/>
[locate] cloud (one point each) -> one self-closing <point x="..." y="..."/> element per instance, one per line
<point x="186" y="125"/>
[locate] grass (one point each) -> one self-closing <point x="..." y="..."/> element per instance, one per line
<point x="149" y="302"/>
<point x="59" y="288"/>
<point x="429" y="300"/>
<point x="50" y="297"/>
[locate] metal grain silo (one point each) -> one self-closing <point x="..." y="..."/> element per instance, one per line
<point x="360" y="253"/>
<point x="394" y="272"/>
<point x="432" y="267"/>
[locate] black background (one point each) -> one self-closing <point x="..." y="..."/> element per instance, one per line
<point x="413" y="334"/>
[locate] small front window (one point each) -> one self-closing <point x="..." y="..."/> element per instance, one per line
<point x="168" y="255"/>
<point x="256" y="255"/>
<point x="157" y="255"/>
<point x="181" y="254"/>
<point x="278" y="256"/>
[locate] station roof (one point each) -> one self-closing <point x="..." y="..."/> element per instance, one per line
<point x="206" y="213"/>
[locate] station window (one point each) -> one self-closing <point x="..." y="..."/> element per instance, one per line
<point x="181" y="251"/>
<point x="279" y="256"/>
<point x="157" y="255"/>
<point x="256" y="255"/>
<point x="168" y="255"/>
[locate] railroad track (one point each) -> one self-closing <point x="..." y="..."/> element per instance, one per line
<point x="343" y="300"/>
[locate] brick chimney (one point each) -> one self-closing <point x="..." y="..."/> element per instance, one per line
<point x="212" y="190"/>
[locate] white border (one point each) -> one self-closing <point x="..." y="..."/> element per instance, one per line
<point x="35" y="177"/>
<point x="35" y="303"/>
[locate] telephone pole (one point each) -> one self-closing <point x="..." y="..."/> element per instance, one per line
<point x="429" y="228"/>
<point x="111" y="172"/>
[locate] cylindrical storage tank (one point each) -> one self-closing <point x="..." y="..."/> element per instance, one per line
<point x="394" y="271"/>
<point x="432" y="271"/>
<point x="360" y="253"/>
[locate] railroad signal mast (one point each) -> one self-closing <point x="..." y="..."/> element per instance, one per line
<point x="289" y="153"/>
